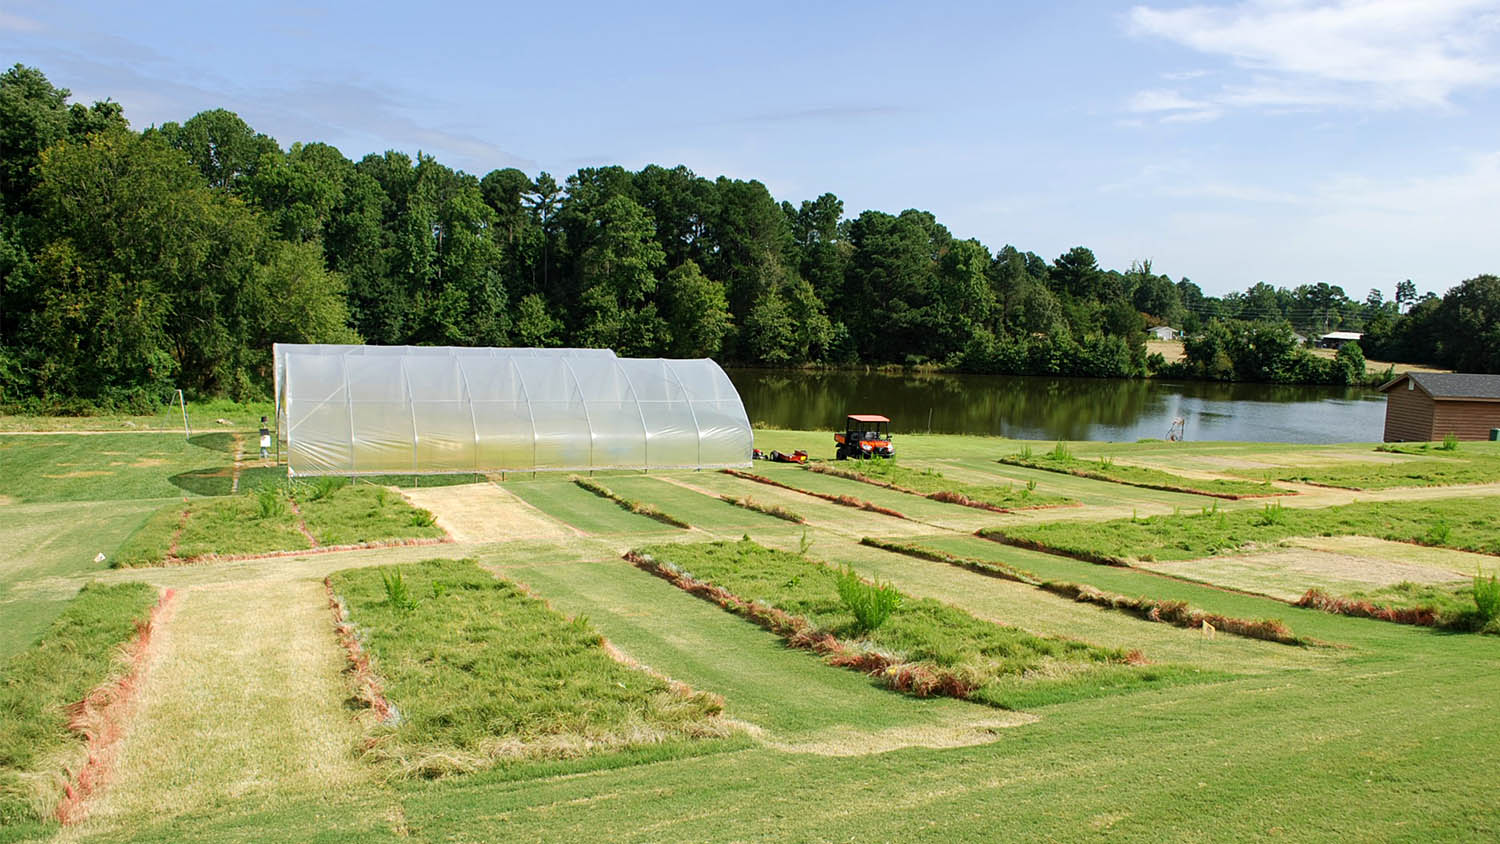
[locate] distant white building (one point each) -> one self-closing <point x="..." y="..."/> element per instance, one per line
<point x="1165" y="332"/>
<point x="1335" y="339"/>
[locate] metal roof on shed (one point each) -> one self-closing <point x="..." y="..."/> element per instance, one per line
<point x="1451" y="385"/>
<point x="864" y="417"/>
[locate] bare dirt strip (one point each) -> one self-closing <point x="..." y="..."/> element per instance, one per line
<point x="244" y="700"/>
<point x="1286" y="574"/>
<point x="487" y="513"/>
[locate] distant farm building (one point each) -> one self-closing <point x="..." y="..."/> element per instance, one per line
<point x="1165" y="332"/>
<point x="1428" y="406"/>
<point x="1336" y="339"/>
<point x="1300" y="338"/>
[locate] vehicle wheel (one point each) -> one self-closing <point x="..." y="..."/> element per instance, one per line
<point x="841" y="455"/>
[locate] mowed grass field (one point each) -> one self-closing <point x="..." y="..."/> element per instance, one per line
<point x="243" y="729"/>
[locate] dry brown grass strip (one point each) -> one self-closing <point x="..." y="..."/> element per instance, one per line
<point x="1338" y="605"/>
<point x="101" y="716"/>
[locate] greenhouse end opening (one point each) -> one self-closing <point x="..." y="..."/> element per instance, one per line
<point x="380" y="410"/>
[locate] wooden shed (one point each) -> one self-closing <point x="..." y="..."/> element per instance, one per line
<point x="1428" y="406"/>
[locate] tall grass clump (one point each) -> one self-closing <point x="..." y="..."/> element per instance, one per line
<point x="397" y="593"/>
<point x="487" y="674"/>
<point x="269" y="502"/>
<point x="1486" y="596"/>
<point x="870" y="603"/>
<point x="1060" y="452"/>
<point x="1450" y="443"/>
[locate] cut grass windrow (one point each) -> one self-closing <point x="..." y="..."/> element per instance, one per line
<point x="843" y="500"/>
<point x="1140" y="476"/>
<point x="932" y="485"/>
<point x="749" y="503"/>
<point x="923" y="648"/>
<point x="59" y="701"/>
<point x="1176" y="613"/>
<point x="1317" y="599"/>
<point x="479" y="673"/>
<point x="636" y="507"/>
<point x="368" y="690"/>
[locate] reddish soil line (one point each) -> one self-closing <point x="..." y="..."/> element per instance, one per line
<point x="844" y="500"/>
<point x="943" y="496"/>
<point x="239" y="454"/>
<point x="325" y="549"/>
<point x="101" y="716"/>
<point x="914" y="678"/>
<point x="1095" y="476"/>
<point x="302" y="523"/>
<point x="367" y="686"/>
<point x="187" y="510"/>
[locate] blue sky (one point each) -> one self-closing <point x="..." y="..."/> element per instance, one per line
<point x="1287" y="141"/>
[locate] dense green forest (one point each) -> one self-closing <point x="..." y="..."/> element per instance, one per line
<point x="132" y="263"/>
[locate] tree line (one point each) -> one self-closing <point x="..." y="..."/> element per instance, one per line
<point x="132" y="263"/>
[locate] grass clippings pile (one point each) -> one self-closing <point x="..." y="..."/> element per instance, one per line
<point x="932" y="485"/>
<point x="637" y="507"/>
<point x="1106" y="469"/>
<point x="924" y="647"/>
<point x="1177" y="613"/>
<point x="1465" y="524"/>
<point x="843" y="500"/>
<point x="1471" y="607"/>
<point x="478" y="672"/>
<point x="50" y="695"/>
<point x="326" y="513"/>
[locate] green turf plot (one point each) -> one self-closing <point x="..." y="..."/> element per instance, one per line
<point x="1469" y="463"/>
<point x="1105" y="469"/>
<point x="1086" y="491"/>
<point x="356" y="514"/>
<point x="1465" y="524"/>
<point x="695" y="508"/>
<point x="43" y="547"/>
<point x="480" y="672"/>
<point x="79" y="652"/>
<point x="931" y="483"/>
<point x="108" y="467"/>
<point x="975" y="659"/>
<point x="567" y="502"/>
<point x="911" y="506"/>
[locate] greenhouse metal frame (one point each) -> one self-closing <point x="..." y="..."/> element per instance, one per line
<point x="414" y="410"/>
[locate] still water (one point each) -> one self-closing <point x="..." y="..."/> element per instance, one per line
<point x="1038" y="408"/>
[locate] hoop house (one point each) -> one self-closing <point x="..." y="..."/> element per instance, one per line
<point x="428" y="410"/>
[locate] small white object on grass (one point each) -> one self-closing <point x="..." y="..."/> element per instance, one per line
<point x="99" y="558"/>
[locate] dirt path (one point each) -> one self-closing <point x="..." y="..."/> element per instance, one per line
<point x="487" y="513"/>
<point x="244" y="702"/>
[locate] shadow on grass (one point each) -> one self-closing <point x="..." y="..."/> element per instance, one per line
<point x="219" y="441"/>
<point x="213" y="481"/>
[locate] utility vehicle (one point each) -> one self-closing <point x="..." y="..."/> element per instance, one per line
<point x="865" y="435"/>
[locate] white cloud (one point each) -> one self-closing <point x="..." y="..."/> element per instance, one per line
<point x="1343" y="53"/>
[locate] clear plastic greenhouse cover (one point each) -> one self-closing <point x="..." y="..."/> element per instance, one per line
<point x="352" y="410"/>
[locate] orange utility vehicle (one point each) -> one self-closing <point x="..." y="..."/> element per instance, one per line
<point x="865" y="436"/>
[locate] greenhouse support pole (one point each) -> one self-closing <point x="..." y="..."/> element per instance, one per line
<point x="587" y="420"/>
<point x="640" y="411"/>
<point x="187" y="433"/>
<point x="463" y="376"/>
<point x="697" y="429"/>
<point x="411" y="409"/>
<point x="530" y="414"/>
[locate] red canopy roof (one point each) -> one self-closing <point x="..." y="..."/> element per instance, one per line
<point x="859" y="417"/>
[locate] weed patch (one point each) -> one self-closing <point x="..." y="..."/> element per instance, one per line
<point x="45" y="694"/>
<point x="482" y="673"/>
<point x="637" y="507"/>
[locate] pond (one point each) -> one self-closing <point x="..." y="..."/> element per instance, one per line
<point x="1041" y="408"/>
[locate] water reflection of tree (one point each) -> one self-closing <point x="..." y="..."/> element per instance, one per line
<point x="1018" y="406"/>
